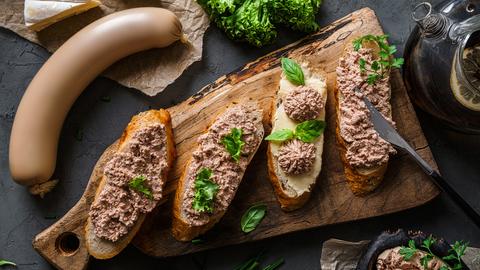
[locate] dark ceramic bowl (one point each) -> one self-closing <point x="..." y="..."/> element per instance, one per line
<point x="387" y="240"/>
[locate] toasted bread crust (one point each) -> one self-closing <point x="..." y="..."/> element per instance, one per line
<point x="360" y="184"/>
<point x="181" y="230"/>
<point x="104" y="249"/>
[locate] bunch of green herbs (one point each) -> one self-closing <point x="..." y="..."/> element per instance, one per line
<point x="454" y="258"/>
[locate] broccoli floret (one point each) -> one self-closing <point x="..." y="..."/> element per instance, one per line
<point x="254" y="20"/>
<point x="250" y="22"/>
<point x="295" y="14"/>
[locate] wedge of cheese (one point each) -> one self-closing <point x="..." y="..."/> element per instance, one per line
<point x="39" y="14"/>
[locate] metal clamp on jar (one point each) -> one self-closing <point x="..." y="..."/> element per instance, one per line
<point x="442" y="62"/>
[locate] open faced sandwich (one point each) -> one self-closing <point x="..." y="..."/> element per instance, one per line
<point x="213" y="174"/>
<point x="399" y="250"/>
<point x="132" y="183"/>
<point x="296" y="143"/>
<point x="363" y="70"/>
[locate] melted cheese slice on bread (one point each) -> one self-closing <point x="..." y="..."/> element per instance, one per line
<point x="39" y="14"/>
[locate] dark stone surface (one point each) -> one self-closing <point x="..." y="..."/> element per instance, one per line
<point x="22" y="216"/>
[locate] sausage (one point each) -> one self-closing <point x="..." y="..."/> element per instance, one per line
<point x="56" y="86"/>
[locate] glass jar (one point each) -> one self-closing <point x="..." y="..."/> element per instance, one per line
<point x="442" y="63"/>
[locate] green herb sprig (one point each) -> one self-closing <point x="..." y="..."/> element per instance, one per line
<point x="254" y="264"/>
<point x="408" y="252"/>
<point x="205" y="191"/>
<point x="427" y="243"/>
<point x="233" y="143"/>
<point x="381" y="67"/>
<point x="197" y="241"/>
<point x="293" y="71"/>
<point x="4" y="262"/>
<point x="138" y="184"/>
<point x="275" y="264"/>
<point x="252" y="217"/>
<point x="455" y="255"/>
<point x="453" y="259"/>
<point x="306" y="131"/>
<point x="250" y="264"/>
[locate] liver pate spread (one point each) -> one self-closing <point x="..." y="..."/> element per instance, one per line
<point x="118" y="206"/>
<point x="211" y="153"/>
<point x="296" y="157"/>
<point x="365" y="148"/>
<point x="391" y="259"/>
<point x="303" y="103"/>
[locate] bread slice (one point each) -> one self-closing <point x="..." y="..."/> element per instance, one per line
<point x="183" y="228"/>
<point x="360" y="180"/>
<point x="104" y="249"/>
<point x="293" y="191"/>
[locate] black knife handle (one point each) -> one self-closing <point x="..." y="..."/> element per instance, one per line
<point x="456" y="198"/>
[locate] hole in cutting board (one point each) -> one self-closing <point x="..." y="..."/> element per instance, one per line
<point x="67" y="243"/>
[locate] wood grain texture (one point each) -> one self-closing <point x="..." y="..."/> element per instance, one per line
<point x="405" y="185"/>
<point x="50" y="242"/>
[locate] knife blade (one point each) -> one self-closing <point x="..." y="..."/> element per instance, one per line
<point x="387" y="132"/>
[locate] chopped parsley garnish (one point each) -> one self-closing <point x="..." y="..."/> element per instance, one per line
<point x="138" y="184"/>
<point x="233" y="143"/>
<point x="380" y="67"/>
<point x="409" y="252"/>
<point x="453" y="260"/>
<point x="205" y="191"/>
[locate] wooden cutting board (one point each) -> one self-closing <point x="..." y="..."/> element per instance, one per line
<point x="405" y="185"/>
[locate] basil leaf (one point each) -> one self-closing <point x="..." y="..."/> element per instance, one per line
<point x="252" y="217"/>
<point x="4" y="262"/>
<point x="137" y="184"/>
<point x="274" y="265"/>
<point x="233" y="143"/>
<point x="293" y="71"/>
<point x="280" y="135"/>
<point x="309" y="130"/>
<point x="205" y="191"/>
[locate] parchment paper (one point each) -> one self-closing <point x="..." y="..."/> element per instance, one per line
<point x="149" y="71"/>
<point x="342" y="255"/>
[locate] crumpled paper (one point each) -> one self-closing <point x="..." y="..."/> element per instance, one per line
<point x="343" y="255"/>
<point x="150" y="71"/>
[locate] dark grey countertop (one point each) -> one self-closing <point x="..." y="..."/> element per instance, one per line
<point x="22" y="216"/>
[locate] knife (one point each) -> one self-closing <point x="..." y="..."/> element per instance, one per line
<point x="389" y="134"/>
